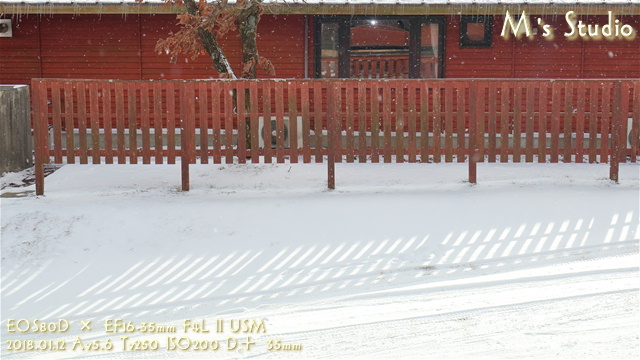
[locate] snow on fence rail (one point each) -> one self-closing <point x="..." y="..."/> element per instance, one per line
<point x="313" y="121"/>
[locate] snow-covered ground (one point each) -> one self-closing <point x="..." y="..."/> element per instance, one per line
<point x="401" y="261"/>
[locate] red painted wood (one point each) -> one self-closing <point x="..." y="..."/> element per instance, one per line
<point x="68" y="122"/>
<point x="460" y="120"/>
<point x="437" y="124"/>
<point x="317" y="118"/>
<point x="424" y="122"/>
<point x="132" y="90"/>
<point x="492" y="125"/>
<point x="386" y="120"/>
<point x="172" y="122"/>
<point x="605" y="122"/>
<point x="505" y="121"/>
<point x="106" y="89"/>
<point x="412" y="125"/>
<point x="517" y="121"/>
<point x="306" y="122"/>
<point x="292" y="93"/>
<point x="120" y="128"/>
<point x="280" y="100"/>
<point x="543" y="92"/>
<point x="350" y="122"/>
<point x="266" y="134"/>
<point x="253" y="89"/>
<point x="146" y="123"/>
<point x="216" y="110"/>
<point x="362" y="121"/>
<point x="635" y="146"/>
<point x="530" y="121"/>
<point x="242" y="88"/>
<point x="94" y="118"/>
<point x="375" y="120"/>
<point x="568" y="127"/>
<point x="399" y="119"/>
<point x="203" y="123"/>
<point x="448" y="122"/>
<point x="580" y="121"/>
<point x="594" y="91"/>
<point x="228" y="121"/>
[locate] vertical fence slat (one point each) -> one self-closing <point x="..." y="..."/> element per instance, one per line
<point x="530" y="119"/>
<point x="593" y="121"/>
<point x="460" y="121"/>
<point x="120" y="132"/>
<point x="473" y="131"/>
<point x="424" y="122"/>
<point x="133" y="122"/>
<point x="399" y="130"/>
<point x="157" y="122"/>
<point x="412" y="126"/>
<point x="292" y="93"/>
<point x="635" y="132"/>
<point x="448" y="124"/>
<point x="362" y="122"/>
<point x="228" y="121"/>
<point x="375" y="120"/>
<point x="266" y="133"/>
<point x="580" y="113"/>
<point x="437" y="124"/>
<point x="171" y="121"/>
<point x="107" y="124"/>
<point x="145" y="122"/>
<point x="568" y="128"/>
<point x="505" y="105"/>
<point x="203" y="123"/>
<point x="555" y="119"/>
<point x="280" y="138"/>
<point x="94" y="118"/>
<point x="306" y="122"/>
<point x="517" y="121"/>
<point x="625" y="111"/>
<point x="386" y="119"/>
<point x="81" y="88"/>
<point x="216" y="121"/>
<point x="242" y="88"/>
<point x="349" y="131"/>
<point x="616" y="130"/>
<point x="492" y="126"/>
<point x="543" y="100"/>
<point x="255" y="133"/>
<point x="57" y="121"/>
<point x="69" y="122"/>
<point x="606" y="121"/>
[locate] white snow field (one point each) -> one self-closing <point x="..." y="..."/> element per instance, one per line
<point x="400" y="261"/>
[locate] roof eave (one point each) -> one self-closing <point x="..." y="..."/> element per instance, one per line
<point x="332" y="9"/>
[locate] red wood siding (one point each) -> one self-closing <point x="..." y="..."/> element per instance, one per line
<point x="539" y="58"/>
<point x="119" y="46"/>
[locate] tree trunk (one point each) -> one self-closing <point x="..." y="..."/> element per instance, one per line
<point x="248" y="19"/>
<point x="220" y="62"/>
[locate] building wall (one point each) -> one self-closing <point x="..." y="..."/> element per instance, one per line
<point x="119" y="46"/>
<point x="539" y="58"/>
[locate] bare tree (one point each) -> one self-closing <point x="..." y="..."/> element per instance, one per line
<point x="203" y="24"/>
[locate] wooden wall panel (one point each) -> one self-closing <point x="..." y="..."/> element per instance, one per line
<point x="19" y="60"/>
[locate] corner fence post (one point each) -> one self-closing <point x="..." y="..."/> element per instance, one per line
<point x="40" y="131"/>
<point x="616" y="126"/>
<point x="333" y="110"/>
<point x="473" y="129"/>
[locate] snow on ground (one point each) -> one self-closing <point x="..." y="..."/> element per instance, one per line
<point x="401" y="261"/>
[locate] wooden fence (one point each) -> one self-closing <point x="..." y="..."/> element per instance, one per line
<point x="313" y="121"/>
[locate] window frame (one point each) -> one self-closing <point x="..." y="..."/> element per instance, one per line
<point x="344" y="48"/>
<point x="487" y="21"/>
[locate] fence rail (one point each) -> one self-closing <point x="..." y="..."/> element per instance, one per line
<point x="311" y="121"/>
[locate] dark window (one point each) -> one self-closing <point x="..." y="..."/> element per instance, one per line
<point x="475" y="31"/>
<point x="369" y="47"/>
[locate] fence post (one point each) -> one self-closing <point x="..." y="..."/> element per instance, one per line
<point x="473" y="129"/>
<point x="333" y="111"/>
<point x="616" y="126"/>
<point x="187" y="108"/>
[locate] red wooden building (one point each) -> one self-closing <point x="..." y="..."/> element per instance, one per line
<point x="341" y="38"/>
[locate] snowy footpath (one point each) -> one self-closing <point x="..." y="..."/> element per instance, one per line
<point x="401" y="261"/>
